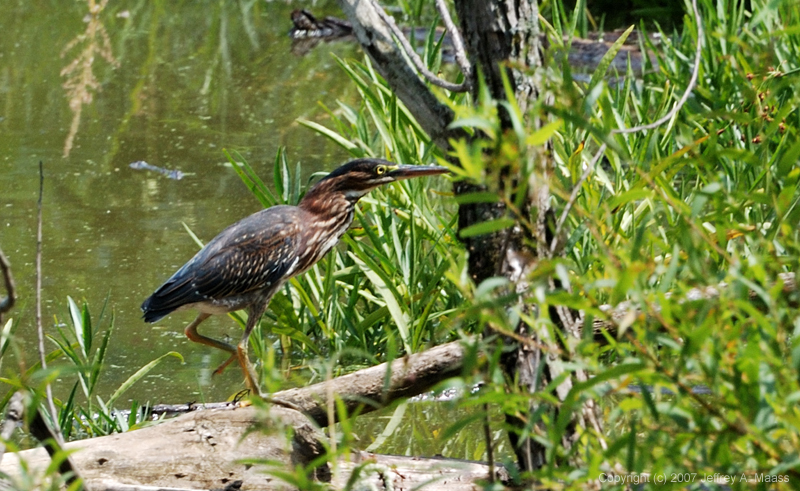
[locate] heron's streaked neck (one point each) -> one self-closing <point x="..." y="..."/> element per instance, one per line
<point x="324" y="202"/>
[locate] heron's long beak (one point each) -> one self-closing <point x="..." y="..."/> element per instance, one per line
<point x="408" y="171"/>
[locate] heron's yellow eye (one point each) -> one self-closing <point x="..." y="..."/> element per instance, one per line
<point x="380" y="170"/>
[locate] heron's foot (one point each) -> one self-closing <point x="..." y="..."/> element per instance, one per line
<point x="251" y="380"/>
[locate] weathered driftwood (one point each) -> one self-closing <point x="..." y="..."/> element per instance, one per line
<point x="204" y="449"/>
<point x="199" y="450"/>
<point x="221" y="448"/>
<point x="365" y="390"/>
<point x="377" y="472"/>
<point x="371" y="388"/>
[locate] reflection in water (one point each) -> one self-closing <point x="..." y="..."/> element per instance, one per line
<point x="81" y="82"/>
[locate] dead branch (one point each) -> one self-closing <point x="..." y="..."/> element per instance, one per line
<point x="416" y="60"/>
<point x="52" y="439"/>
<point x="53" y="446"/>
<point x="363" y="391"/>
<point x="377" y="41"/>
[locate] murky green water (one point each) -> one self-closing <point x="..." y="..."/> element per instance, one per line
<point x="170" y="83"/>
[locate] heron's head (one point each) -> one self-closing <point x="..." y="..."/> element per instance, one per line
<point x="358" y="177"/>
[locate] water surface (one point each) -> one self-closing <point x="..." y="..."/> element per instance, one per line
<point x="169" y="83"/>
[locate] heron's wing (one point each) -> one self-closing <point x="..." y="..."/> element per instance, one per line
<point x="253" y="254"/>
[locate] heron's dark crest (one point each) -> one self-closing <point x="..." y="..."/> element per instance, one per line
<point x="243" y="266"/>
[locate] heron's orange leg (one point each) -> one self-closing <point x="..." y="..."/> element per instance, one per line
<point x="193" y="335"/>
<point x="253" y="315"/>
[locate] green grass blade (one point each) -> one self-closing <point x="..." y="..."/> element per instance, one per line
<point x="77" y="324"/>
<point x="335" y="137"/>
<point x="139" y="375"/>
<point x="99" y="357"/>
<point x="605" y="62"/>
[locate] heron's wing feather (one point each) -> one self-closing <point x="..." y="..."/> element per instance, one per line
<point x="250" y="255"/>
<point x="254" y="263"/>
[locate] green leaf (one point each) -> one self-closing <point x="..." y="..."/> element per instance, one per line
<point x="192" y="235"/>
<point x="388" y="293"/>
<point x="87" y="327"/>
<point x="543" y="135"/>
<point x="634" y="194"/>
<point x="99" y="357"/>
<point x="297" y="335"/>
<point x="487" y="227"/>
<point x="477" y="197"/>
<point x="251" y="179"/>
<point x="77" y="324"/>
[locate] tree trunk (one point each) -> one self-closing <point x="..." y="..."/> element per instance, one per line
<point x="498" y="34"/>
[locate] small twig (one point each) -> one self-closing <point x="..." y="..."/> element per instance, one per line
<point x="39" y="328"/>
<point x="7" y="302"/>
<point x="487" y="434"/>
<point x="414" y="57"/>
<point x="53" y="439"/>
<point x="458" y="43"/>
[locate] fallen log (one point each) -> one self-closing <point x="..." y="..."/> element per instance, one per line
<point x="372" y="388"/>
<point x="220" y="448"/>
<point x="205" y="449"/>
<point x="363" y="391"/>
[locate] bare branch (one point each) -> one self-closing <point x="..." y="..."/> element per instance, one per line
<point x="458" y="43"/>
<point x="54" y="444"/>
<point x="39" y="328"/>
<point x="367" y="390"/>
<point x="414" y="57"/>
<point x="377" y="41"/>
<point x="39" y="426"/>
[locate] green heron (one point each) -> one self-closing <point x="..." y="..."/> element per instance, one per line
<point x="243" y="266"/>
